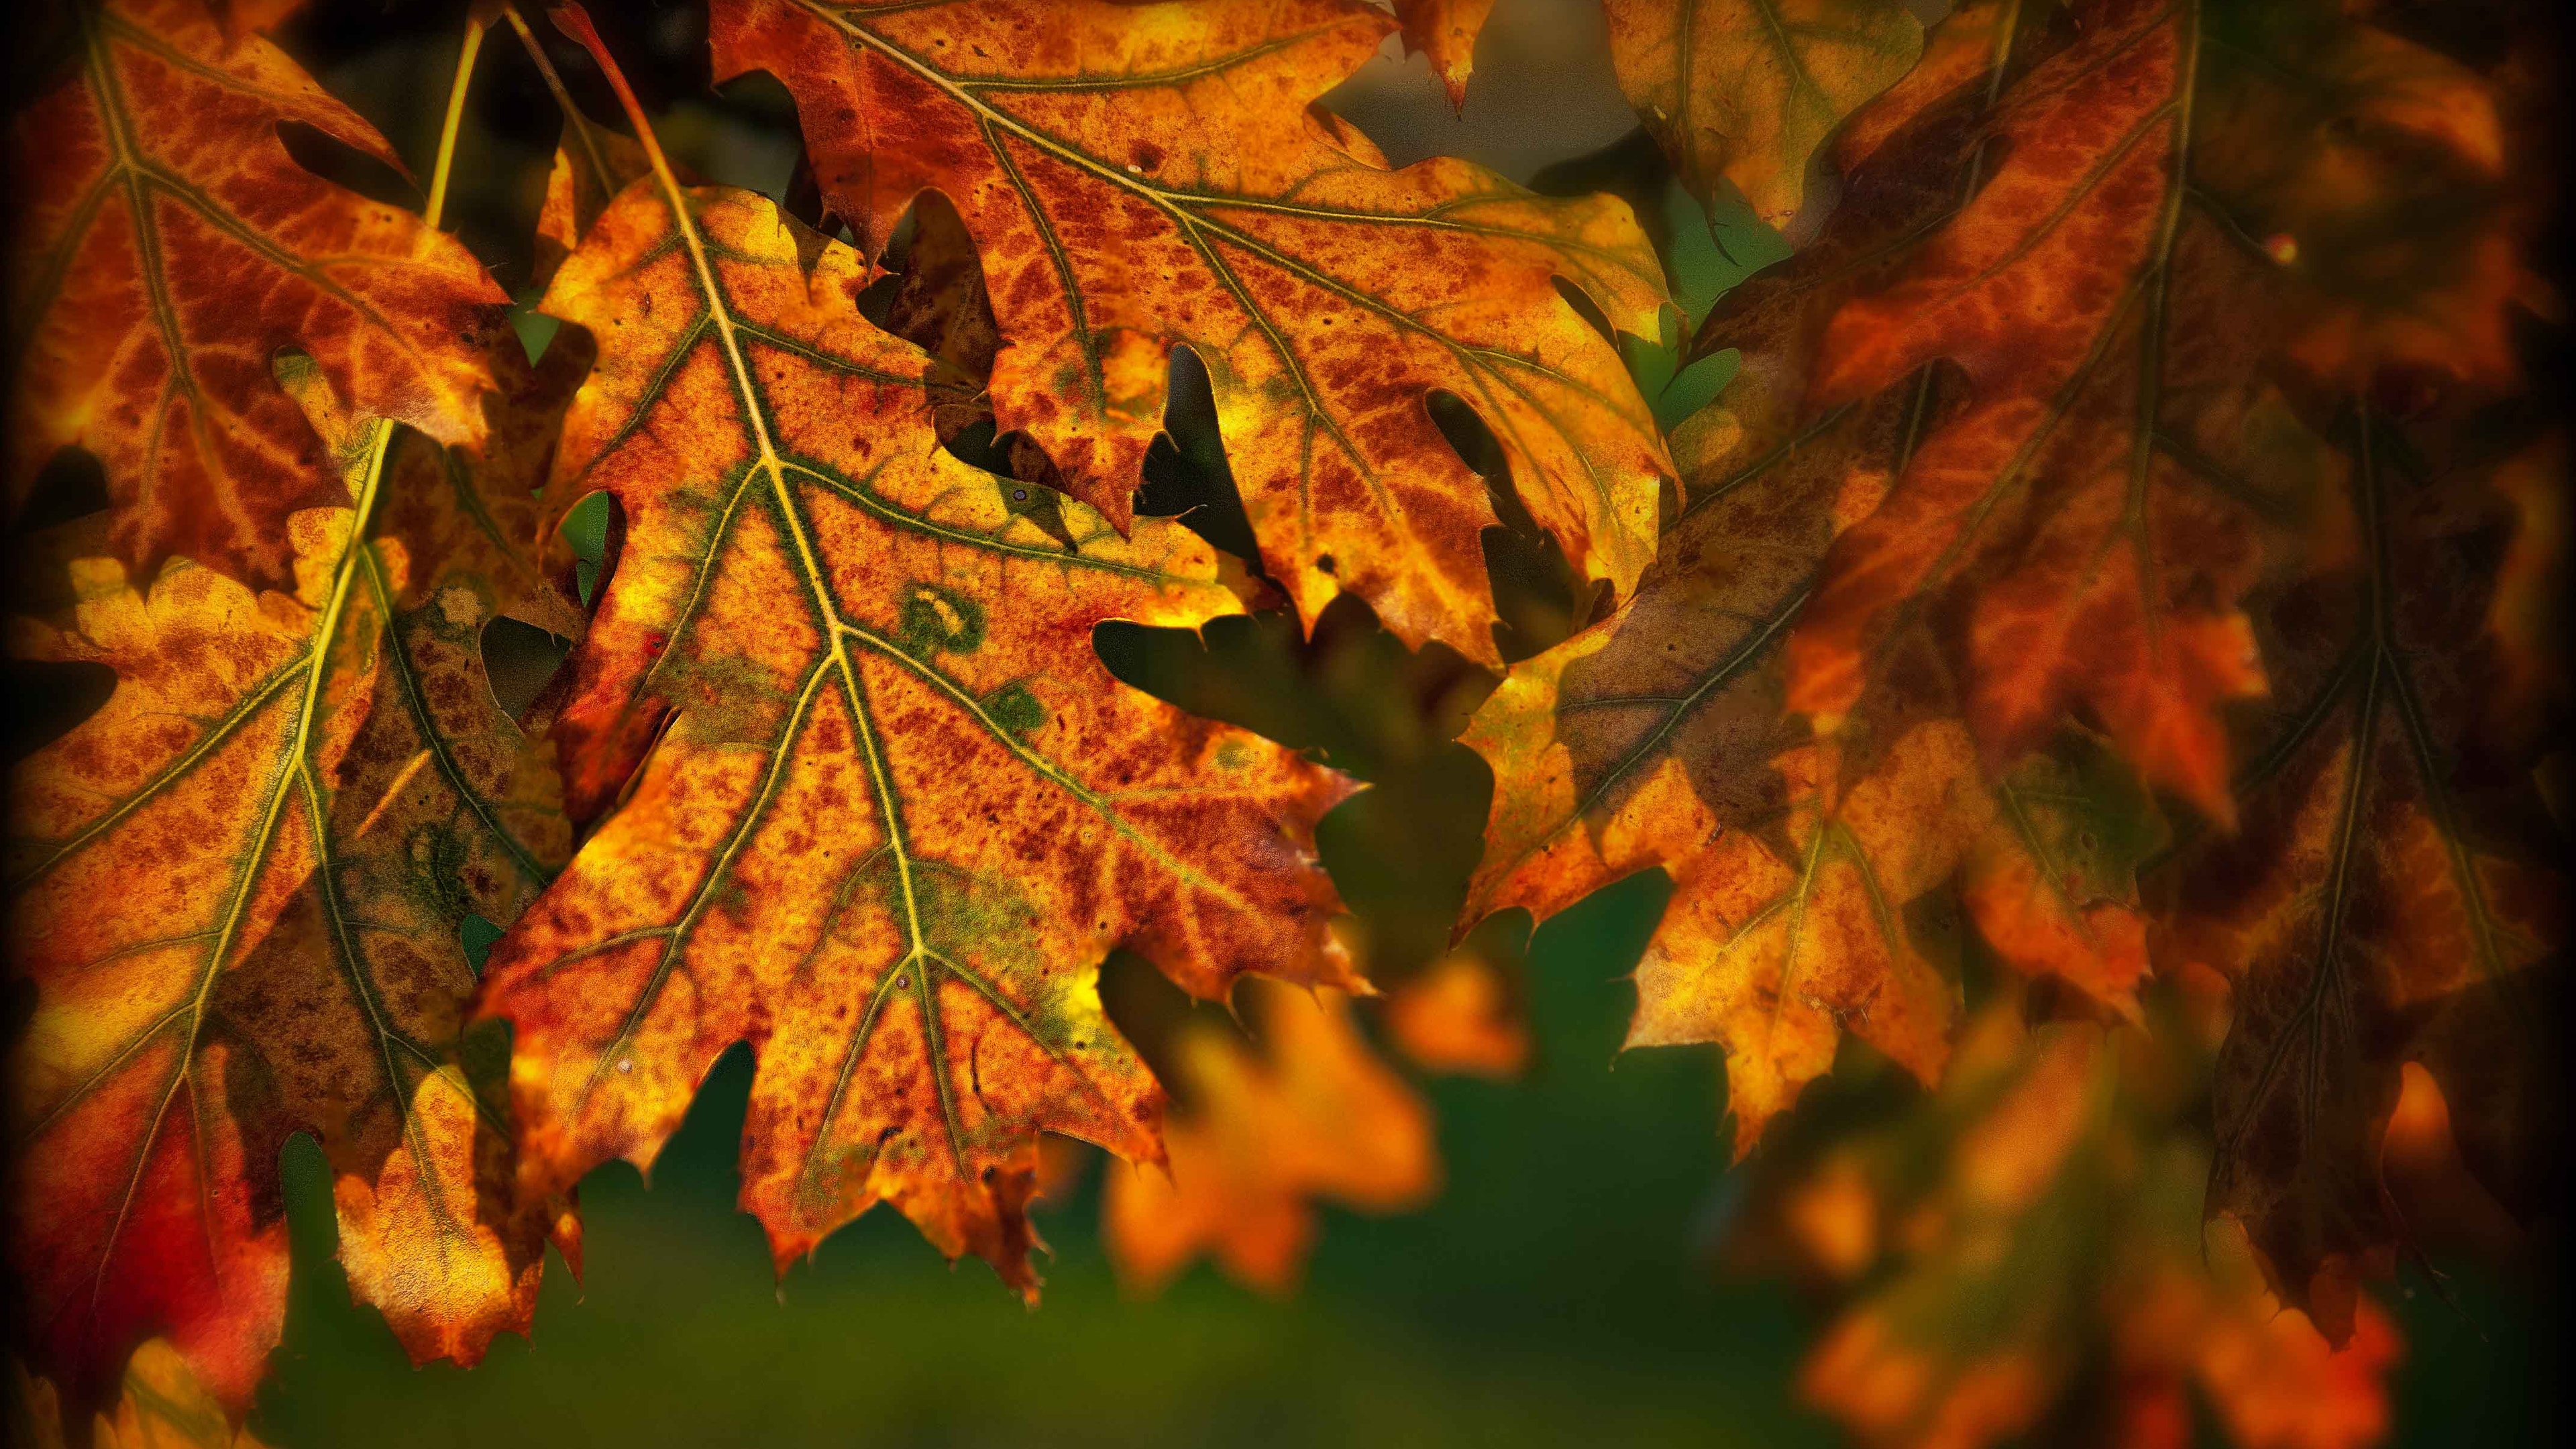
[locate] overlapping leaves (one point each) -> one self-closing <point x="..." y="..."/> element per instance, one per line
<point x="1137" y="177"/>
<point x="879" y="810"/>
<point x="167" y="247"/>
<point x="238" y="891"/>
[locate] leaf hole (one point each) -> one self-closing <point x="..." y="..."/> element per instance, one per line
<point x="518" y="661"/>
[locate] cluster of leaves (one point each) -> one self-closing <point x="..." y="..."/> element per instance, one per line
<point x="2094" y="564"/>
<point x="2105" y="562"/>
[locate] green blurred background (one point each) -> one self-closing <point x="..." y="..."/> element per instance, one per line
<point x="1561" y="1289"/>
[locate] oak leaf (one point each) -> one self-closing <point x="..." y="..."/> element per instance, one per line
<point x="2077" y="595"/>
<point x="880" y="811"/>
<point x="237" y="892"/>
<point x="2386" y="899"/>
<point x="1313" y="1115"/>
<point x="1747" y="91"/>
<point x="1144" y="176"/>
<point x="168" y="248"/>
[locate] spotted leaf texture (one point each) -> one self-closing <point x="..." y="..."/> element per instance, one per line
<point x="1311" y="1116"/>
<point x="2387" y="899"/>
<point x="237" y="892"/>
<point x="167" y="248"/>
<point x="1747" y="91"/>
<point x="878" y="808"/>
<point x="1143" y="176"/>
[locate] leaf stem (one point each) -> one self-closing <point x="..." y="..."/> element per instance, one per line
<point x="448" y="126"/>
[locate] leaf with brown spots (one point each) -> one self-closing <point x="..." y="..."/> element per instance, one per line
<point x="2386" y="899"/>
<point x="880" y="810"/>
<point x="1312" y="1115"/>
<point x="1748" y="91"/>
<point x="168" y="248"/>
<point x="1445" y="32"/>
<point x="237" y="893"/>
<point x="1144" y="176"/>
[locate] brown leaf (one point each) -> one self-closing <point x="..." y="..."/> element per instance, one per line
<point x="2383" y="901"/>
<point x="1139" y="177"/>
<point x="168" y="248"/>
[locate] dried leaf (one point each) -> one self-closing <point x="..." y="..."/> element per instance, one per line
<point x="168" y="248"/>
<point x="883" y="810"/>
<point x="1313" y="1116"/>
<point x="2385" y="899"/>
<point x="1445" y="31"/>
<point x="1749" y="90"/>
<point x="238" y="891"/>
<point x="1142" y="176"/>
<point x="2099" y="570"/>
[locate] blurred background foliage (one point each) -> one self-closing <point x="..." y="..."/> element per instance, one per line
<point x="1584" y="1274"/>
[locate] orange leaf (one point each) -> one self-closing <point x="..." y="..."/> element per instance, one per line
<point x="884" y="810"/>
<point x="1313" y="1115"/>
<point x="1145" y="176"/>
<point x="168" y="248"/>
<point x="238" y="892"/>
<point x="1748" y="90"/>
<point x="2100" y="570"/>
<point x="1458" y="1015"/>
<point x="1445" y="30"/>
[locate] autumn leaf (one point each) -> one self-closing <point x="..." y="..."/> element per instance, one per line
<point x="237" y="893"/>
<point x="164" y="1406"/>
<point x="880" y="811"/>
<point x="1140" y="177"/>
<point x="168" y="248"/>
<point x="2021" y="1257"/>
<point x="1312" y="1116"/>
<point x="1445" y="32"/>
<point x="1461" y="1014"/>
<point x="1748" y="90"/>
<point x="2385" y="899"/>
<point x="1656" y="738"/>
<point x="2077" y="594"/>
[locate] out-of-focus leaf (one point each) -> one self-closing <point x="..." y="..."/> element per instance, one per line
<point x="879" y="810"/>
<point x="238" y="891"/>
<point x="1313" y="1115"/>
<point x="1748" y="90"/>
<point x="1460" y="1015"/>
<point x="2026" y="1265"/>
<point x="1141" y="176"/>
<point x="167" y="248"/>
<point x="2385" y="899"/>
